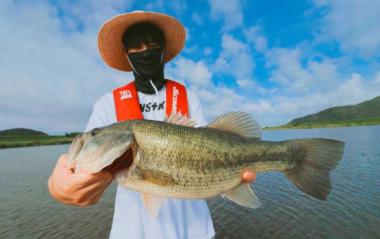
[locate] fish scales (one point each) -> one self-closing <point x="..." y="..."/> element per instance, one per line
<point x="203" y="161"/>
<point x="178" y="161"/>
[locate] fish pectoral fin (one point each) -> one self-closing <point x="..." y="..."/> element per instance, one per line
<point x="240" y="123"/>
<point x="244" y="196"/>
<point x="152" y="203"/>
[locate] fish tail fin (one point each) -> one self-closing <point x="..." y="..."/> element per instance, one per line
<point x="316" y="158"/>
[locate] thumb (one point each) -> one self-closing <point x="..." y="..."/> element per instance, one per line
<point x="64" y="162"/>
<point x="71" y="165"/>
<point x="249" y="176"/>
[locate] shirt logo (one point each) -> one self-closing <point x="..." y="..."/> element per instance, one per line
<point x="175" y="99"/>
<point x="147" y="107"/>
<point x="125" y="94"/>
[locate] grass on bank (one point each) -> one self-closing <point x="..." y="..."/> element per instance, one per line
<point x="11" y="141"/>
<point x="33" y="140"/>
<point x="326" y="124"/>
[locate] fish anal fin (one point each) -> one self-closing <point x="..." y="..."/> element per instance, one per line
<point x="179" y="119"/>
<point x="240" y="123"/>
<point x="244" y="196"/>
<point x="152" y="203"/>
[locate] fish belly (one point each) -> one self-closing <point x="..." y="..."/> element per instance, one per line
<point x="183" y="162"/>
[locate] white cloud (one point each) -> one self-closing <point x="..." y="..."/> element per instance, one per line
<point x="304" y="83"/>
<point x="235" y="60"/>
<point x="277" y="107"/>
<point x="216" y="99"/>
<point x="377" y="78"/>
<point x="299" y="75"/>
<point x="288" y="70"/>
<point x="89" y="15"/>
<point x="198" y="76"/>
<point x="219" y="100"/>
<point x="246" y="83"/>
<point x="230" y="11"/>
<point x="254" y="36"/>
<point x="193" y="73"/>
<point x="353" y="24"/>
<point x="178" y="6"/>
<point x="351" y="90"/>
<point x="50" y="79"/>
<point x="52" y="74"/>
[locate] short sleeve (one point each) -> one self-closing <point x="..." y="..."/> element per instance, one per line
<point x="103" y="113"/>
<point x="195" y="108"/>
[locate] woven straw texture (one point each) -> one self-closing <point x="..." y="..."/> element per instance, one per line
<point x="110" y="45"/>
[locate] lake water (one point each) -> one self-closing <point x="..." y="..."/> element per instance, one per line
<point x="351" y="211"/>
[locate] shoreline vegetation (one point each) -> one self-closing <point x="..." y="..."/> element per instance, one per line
<point x="21" y="137"/>
<point x="323" y="125"/>
<point x="15" y="141"/>
<point x="363" y="114"/>
<point x="366" y="113"/>
<point x="22" y="141"/>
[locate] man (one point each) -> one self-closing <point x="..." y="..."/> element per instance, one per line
<point x="141" y="42"/>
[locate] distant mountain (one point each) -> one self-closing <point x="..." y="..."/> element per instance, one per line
<point x="21" y="132"/>
<point x="365" y="113"/>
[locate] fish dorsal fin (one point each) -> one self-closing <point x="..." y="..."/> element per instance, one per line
<point x="179" y="119"/>
<point x="152" y="203"/>
<point x="244" y="196"/>
<point x="240" y="123"/>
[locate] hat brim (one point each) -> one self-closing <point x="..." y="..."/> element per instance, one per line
<point x="110" y="44"/>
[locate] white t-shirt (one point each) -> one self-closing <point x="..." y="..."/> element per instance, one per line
<point x="185" y="219"/>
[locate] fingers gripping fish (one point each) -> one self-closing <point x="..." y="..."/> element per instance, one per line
<point x="180" y="161"/>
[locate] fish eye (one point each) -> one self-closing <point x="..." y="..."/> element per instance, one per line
<point x="95" y="131"/>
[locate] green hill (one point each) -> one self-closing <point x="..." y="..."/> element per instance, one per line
<point x="20" y="132"/>
<point x="21" y="137"/>
<point x="365" y="113"/>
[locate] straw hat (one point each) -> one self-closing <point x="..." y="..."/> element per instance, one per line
<point x="111" y="47"/>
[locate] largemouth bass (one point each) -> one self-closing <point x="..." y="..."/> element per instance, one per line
<point x="180" y="161"/>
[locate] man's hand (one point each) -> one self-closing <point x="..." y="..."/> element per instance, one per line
<point x="77" y="188"/>
<point x="248" y="176"/>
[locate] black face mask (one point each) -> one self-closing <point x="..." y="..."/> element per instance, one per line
<point x="148" y="66"/>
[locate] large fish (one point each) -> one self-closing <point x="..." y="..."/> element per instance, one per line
<point x="180" y="161"/>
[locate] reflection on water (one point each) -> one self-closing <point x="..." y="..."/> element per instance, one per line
<point x="27" y="210"/>
<point x="351" y="211"/>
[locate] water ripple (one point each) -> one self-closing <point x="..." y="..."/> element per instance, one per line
<point x="351" y="211"/>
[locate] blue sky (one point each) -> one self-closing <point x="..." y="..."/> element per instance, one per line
<point x="277" y="60"/>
